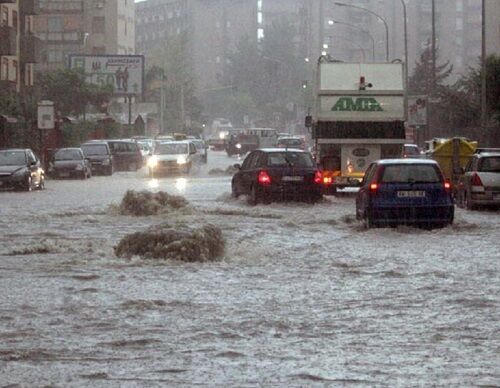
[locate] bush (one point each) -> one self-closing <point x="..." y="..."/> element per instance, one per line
<point x="181" y="243"/>
<point x="145" y="203"/>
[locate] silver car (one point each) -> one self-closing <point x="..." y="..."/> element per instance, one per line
<point x="479" y="184"/>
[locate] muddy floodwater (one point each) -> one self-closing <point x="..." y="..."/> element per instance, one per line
<point x="303" y="296"/>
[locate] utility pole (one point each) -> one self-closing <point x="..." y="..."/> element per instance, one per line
<point x="484" y="107"/>
<point x="433" y="46"/>
<point x="321" y="24"/>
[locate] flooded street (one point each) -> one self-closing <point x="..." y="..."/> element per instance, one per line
<point x="304" y="295"/>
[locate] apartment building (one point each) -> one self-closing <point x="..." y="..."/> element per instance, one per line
<point x="492" y="26"/>
<point x="84" y="27"/>
<point x="19" y="48"/>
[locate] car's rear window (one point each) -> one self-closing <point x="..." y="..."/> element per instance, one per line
<point x="290" y="142"/>
<point x="95" y="149"/>
<point x="410" y="173"/>
<point x="293" y="159"/>
<point x="411" y="150"/>
<point x="489" y="164"/>
<point x="171" y="149"/>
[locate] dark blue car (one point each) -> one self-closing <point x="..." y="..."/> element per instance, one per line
<point x="405" y="191"/>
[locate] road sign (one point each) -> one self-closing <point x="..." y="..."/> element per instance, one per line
<point x="417" y="110"/>
<point x="46" y="115"/>
<point x="124" y="72"/>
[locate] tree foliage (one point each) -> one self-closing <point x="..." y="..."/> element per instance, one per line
<point x="70" y="92"/>
<point x="170" y="68"/>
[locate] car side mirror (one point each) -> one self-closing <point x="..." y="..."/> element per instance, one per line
<point x="33" y="163"/>
<point x="237" y="166"/>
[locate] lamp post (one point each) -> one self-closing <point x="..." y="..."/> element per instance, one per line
<point x="331" y="22"/>
<point x="484" y="114"/>
<point x="405" y="24"/>
<point x="378" y="17"/>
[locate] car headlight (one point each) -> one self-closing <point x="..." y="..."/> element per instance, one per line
<point x="105" y="162"/>
<point x="181" y="160"/>
<point x="153" y="161"/>
<point x="238" y="146"/>
<point x="79" y="167"/>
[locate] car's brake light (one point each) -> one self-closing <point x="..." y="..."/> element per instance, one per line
<point x="318" y="177"/>
<point x="264" y="178"/>
<point x="327" y="180"/>
<point x="374" y="187"/>
<point x="447" y="186"/>
<point x="476" y="180"/>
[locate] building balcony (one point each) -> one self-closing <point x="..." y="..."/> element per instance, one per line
<point x="29" y="7"/>
<point x="66" y="7"/>
<point x="31" y="49"/>
<point x="8" y="41"/>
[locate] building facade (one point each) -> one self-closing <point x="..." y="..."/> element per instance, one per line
<point x="492" y="26"/>
<point x="19" y="48"/>
<point x="84" y="27"/>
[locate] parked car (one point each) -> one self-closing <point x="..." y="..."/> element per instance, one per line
<point x="99" y="155"/>
<point x="292" y="142"/>
<point x="70" y="163"/>
<point x="127" y="155"/>
<point x="480" y="183"/>
<point x="173" y="157"/>
<point x="201" y="148"/>
<point x="277" y="174"/>
<point x="20" y="169"/>
<point x="405" y="191"/>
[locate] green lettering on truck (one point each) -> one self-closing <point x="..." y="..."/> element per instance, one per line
<point x="362" y="104"/>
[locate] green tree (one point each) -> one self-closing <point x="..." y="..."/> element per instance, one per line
<point x="170" y="68"/>
<point x="70" y="92"/>
<point x="9" y="102"/>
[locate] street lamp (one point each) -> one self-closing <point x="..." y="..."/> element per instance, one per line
<point x="377" y="16"/>
<point x="405" y="24"/>
<point x="332" y="22"/>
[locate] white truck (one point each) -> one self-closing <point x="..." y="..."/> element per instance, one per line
<point x="358" y="118"/>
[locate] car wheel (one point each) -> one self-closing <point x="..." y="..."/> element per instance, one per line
<point x="254" y="198"/>
<point x="368" y="221"/>
<point x="234" y="191"/>
<point x="90" y="174"/>
<point x="41" y="185"/>
<point x="28" y="184"/>
<point x="109" y="171"/>
<point x="468" y="202"/>
<point x="84" y="175"/>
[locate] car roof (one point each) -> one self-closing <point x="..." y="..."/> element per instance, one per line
<point x="410" y="161"/>
<point x="268" y="150"/>
<point x="488" y="154"/>
<point x="93" y="142"/>
<point x="177" y="142"/>
<point x="68" y="148"/>
<point x="15" y="149"/>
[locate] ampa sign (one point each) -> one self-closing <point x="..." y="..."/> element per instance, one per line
<point x="360" y="104"/>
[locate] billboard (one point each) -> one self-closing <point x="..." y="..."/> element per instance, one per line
<point x="124" y="72"/>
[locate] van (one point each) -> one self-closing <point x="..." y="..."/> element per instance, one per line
<point x="127" y="155"/>
<point x="268" y="137"/>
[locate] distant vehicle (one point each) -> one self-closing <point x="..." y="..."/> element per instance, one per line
<point x="70" y="163"/>
<point x="220" y="130"/>
<point x="201" y="148"/>
<point x="480" y="183"/>
<point x="146" y="148"/>
<point x="100" y="157"/>
<point x="173" y="157"/>
<point x="410" y="151"/>
<point x="239" y="142"/>
<point x="405" y="191"/>
<point x="276" y="174"/>
<point x="21" y="169"/>
<point x="292" y="142"/>
<point x="267" y="136"/>
<point x="127" y="155"/>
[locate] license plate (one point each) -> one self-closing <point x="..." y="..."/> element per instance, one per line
<point x="292" y="179"/>
<point x="411" y="194"/>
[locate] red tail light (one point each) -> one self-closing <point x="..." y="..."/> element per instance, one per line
<point x="318" y="177"/>
<point x="374" y="187"/>
<point x="447" y="186"/>
<point x="264" y="178"/>
<point x="476" y="180"/>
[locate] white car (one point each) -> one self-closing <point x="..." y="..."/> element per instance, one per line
<point x="173" y="157"/>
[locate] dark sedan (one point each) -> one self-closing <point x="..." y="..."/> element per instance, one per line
<point x="70" y="162"/>
<point x="20" y="169"/>
<point x="100" y="157"/>
<point x="277" y="174"/>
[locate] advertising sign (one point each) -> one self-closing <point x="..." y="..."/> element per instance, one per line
<point x="361" y="108"/>
<point x="124" y="72"/>
<point x="46" y="115"/>
<point x="417" y="110"/>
